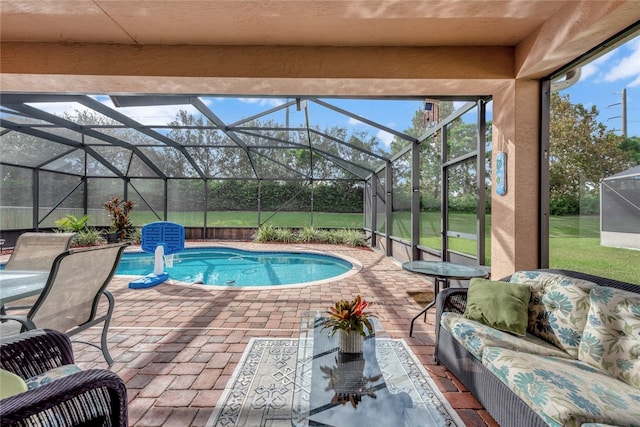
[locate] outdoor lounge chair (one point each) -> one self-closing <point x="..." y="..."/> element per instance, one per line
<point x="36" y="251"/>
<point x="93" y="397"/>
<point x="70" y="298"/>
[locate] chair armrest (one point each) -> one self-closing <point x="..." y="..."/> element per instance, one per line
<point x="26" y="324"/>
<point x="35" y="352"/>
<point x="90" y="395"/>
<point x="450" y="300"/>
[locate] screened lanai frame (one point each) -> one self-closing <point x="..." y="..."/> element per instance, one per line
<point x="455" y="161"/>
<point x="97" y="161"/>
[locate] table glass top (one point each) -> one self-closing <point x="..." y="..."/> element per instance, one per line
<point x="369" y="389"/>
<point x="17" y="284"/>
<point x="444" y="269"/>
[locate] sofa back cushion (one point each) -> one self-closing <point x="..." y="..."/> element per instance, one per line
<point x="558" y="307"/>
<point x="611" y="338"/>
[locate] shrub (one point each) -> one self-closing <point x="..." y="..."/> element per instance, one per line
<point x="352" y="237"/>
<point x="269" y="233"/>
<point x="331" y="237"/>
<point x="88" y="237"/>
<point x="564" y="205"/>
<point x="464" y="203"/>
<point x="285" y="235"/>
<point x="590" y="204"/>
<point x="71" y="223"/>
<point x="266" y="233"/>
<point x="310" y="235"/>
<point x="136" y="236"/>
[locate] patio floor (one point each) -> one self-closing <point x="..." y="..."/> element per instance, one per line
<point x="177" y="345"/>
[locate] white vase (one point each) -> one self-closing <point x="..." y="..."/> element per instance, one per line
<point x="350" y="342"/>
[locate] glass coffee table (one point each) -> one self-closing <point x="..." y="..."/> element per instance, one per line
<point x="371" y="389"/>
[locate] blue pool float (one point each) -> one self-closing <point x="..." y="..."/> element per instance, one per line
<point x="160" y="238"/>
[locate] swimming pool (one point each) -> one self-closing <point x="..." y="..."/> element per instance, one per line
<point x="236" y="267"/>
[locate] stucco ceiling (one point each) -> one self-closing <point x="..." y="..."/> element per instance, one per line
<point x="355" y="47"/>
<point x="269" y="22"/>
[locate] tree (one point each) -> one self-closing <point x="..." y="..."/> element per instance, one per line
<point x="461" y="139"/>
<point x="632" y="146"/>
<point x="582" y="152"/>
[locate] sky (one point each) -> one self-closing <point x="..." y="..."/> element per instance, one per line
<point x="395" y="114"/>
<point x="602" y="82"/>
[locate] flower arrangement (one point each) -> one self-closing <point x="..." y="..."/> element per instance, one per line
<point x="119" y="213"/>
<point x="350" y="316"/>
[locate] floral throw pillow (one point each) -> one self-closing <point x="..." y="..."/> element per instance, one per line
<point x="611" y="339"/>
<point x="558" y="307"/>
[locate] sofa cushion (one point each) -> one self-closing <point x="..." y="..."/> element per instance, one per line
<point x="565" y="392"/>
<point x="52" y="375"/>
<point x="501" y="305"/>
<point x="475" y="337"/>
<point x="558" y="307"/>
<point x="611" y="339"/>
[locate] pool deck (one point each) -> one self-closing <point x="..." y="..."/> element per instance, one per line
<point x="177" y="345"/>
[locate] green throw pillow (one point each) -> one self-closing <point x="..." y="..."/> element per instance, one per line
<point x="501" y="305"/>
<point x="10" y="384"/>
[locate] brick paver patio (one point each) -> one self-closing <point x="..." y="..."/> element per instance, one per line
<point x="177" y="345"/>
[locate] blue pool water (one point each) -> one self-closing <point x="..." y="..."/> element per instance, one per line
<point x="235" y="267"/>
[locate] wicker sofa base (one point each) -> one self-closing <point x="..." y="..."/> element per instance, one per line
<point x="503" y="405"/>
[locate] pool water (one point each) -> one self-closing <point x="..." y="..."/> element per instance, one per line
<point x="235" y="267"/>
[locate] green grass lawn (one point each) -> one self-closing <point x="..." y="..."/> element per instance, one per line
<point x="574" y="242"/>
<point x="585" y="254"/>
<point x="250" y="219"/>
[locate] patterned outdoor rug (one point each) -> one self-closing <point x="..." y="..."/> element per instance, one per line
<point x="260" y="393"/>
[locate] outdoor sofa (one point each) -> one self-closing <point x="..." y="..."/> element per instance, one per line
<point x="577" y="365"/>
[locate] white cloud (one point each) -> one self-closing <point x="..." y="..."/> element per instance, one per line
<point x="157" y="115"/>
<point x="249" y="100"/>
<point x="602" y="60"/>
<point x="59" y="108"/>
<point x="263" y="102"/>
<point x="385" y="137"/>
<point x="154" y="115"/>
<point x="588" y="71"/>
<point x="594" y="68"/>
<point x="628" y="66"/>
<point x="150" y="115"/>
<point x="160" y="115"/>
<point x="458" y="104"/>
<point x="210" y="101"/>
<point x="635" y="83"/>
<point x="354" y="122"/>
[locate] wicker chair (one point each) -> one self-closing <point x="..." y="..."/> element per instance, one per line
<point x="93" y="397"/>
<point x="69" y="300"/>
